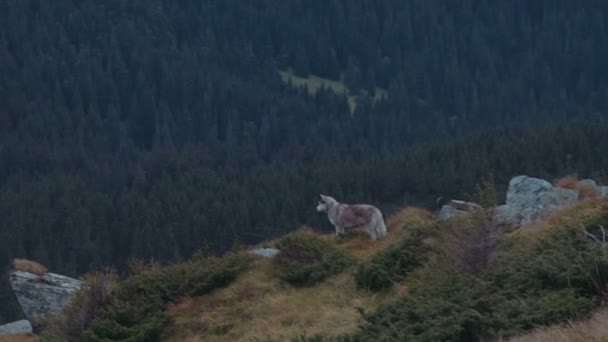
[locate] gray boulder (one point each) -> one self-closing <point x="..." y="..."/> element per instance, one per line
<point x="44" y="294"/>
<point x="18" y="327"/>
<point x="601" y="190"/>
<point x="530" y="199"/>
<point x="456" y="208"/>
<point x="464" y="206"/>
<point x="589" y="182"/>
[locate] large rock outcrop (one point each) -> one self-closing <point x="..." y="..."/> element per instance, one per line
<point x="44" y="294"/>
<point x="530" y="199"/>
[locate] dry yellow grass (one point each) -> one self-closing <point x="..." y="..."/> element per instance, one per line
<point x="407" y="215"/>
<point x="26" y="265"/>
<point x="593" y="329"/>
<point x="20" y="338"/>
<point x="258" y="307"/>
<point x="566" y="182"/>
<point x="586" y="191"/>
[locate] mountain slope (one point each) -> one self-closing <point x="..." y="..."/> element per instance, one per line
<point x="259" y="306"/>
<point x="484" y="279"/>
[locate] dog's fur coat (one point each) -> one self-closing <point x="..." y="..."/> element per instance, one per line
<point x="344" y="216"/>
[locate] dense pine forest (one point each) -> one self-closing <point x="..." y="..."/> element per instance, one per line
<point x="153" y="128"/>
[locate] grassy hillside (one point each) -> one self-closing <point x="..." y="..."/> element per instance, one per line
<point x="462" y="279"/>
<point x="313" y="83"/>
<point x="260" y="307"/>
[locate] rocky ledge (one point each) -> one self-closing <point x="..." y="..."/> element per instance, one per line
<point x="44" y="294"/>
<point x="14" y="328"/>
<point x="528" y="200"/>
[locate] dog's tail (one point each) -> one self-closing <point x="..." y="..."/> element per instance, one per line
<point x="377" y="227"/>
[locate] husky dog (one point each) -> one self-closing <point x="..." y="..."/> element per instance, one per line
<point x="343" y="216"/>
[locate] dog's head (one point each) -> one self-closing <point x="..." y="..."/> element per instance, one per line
<point x="325" y="203"/>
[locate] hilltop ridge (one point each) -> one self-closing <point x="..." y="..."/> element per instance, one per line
<point x="466" y="277"/>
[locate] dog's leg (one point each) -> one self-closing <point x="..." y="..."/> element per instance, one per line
<point x="370" y="231"/>
<point x="339" y="231"/>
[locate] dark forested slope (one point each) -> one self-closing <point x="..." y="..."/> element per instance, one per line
<point x="148" y="128"/>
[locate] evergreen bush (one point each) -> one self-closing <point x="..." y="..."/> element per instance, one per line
<point x="135" y="310"/>
<point x="395" y="262"/>
<point x="305" y="259"/>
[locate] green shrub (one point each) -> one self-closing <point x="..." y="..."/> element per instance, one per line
<point x="395" y="262"/>
<point x="520" y="312"/>
<point x="86" y="305"/>
<point x="135" y="310"/>
<point x="464" y="307"/>
<point x="563" y="258"/>
<point x="125" y="321"/>
<point x="457" y="307"/>
<point x="305" y="259"/>
<point x="531" y="279"/>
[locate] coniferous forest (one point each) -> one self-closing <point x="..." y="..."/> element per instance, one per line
<point x="152" y="128"/>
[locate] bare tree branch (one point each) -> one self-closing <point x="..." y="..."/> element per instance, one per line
<point x="602" y="241"/>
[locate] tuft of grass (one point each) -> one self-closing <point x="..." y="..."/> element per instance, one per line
<point x="30" y="266"/>
<point x="566" y="182"/>
<point x="592" y="329"/>
<point x="305" y="259"/>
<point x="586" y="191"/>
<point x="407" y="216"/>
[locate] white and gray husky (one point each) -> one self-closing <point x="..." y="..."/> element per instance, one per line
<point x="344" y="216"/>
